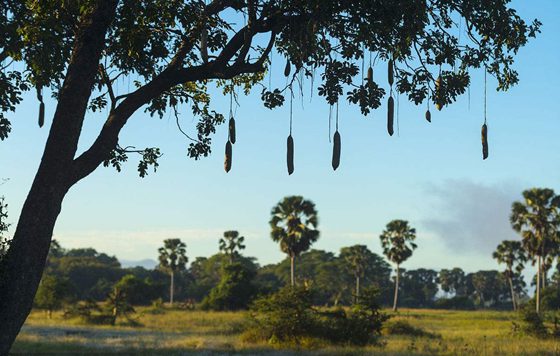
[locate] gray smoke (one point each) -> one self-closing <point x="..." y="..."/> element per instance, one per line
<point x="471" y="217"/>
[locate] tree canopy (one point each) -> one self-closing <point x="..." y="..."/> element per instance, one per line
<point x="174" y="50"/>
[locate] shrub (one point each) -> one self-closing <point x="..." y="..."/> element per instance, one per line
<point x="532" y="323"/>
<point x="403" y="327"/>
<point x="288" y="317"/>
<point x="234" y="291"/>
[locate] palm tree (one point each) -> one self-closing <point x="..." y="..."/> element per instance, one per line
<point x="294" y="225"/>
<point x="537" y="218"/>
<point x="356" y="258"/>
<point x="231" y="244"/>
<point x="397" y="242"/>
<point x="512" y="254"/>
<point x="173" y="258"/>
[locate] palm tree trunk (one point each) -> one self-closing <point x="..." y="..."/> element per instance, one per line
<point x="538" y="294"/>
<point x="172" y="288"/>
<point x="292" y="270"/>
<point x="396" y="289"/>
<point x="512" y="292"/>
<point x="544" y="275"/>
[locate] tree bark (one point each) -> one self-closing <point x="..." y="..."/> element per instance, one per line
<point x="512" y="292"/>
<point x="292" y="270"/>
<point x="171" y="289"/>
<point x="395" y="300"/>
<point x="22" y="268"/>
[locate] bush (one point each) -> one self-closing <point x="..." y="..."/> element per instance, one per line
<point x="403" y="327"/>
<point x="455" y="303"/>
<point x="234" y="291"/>
<point x="532" y="323"/>
<point x="288" y="317"/>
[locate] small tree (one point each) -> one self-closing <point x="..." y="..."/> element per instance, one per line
<point x="397" y="242"/>
<point x="235" y="289"/>
<point x="173" y="258"/>
<point x="512" y="254"/>
<point x="53" y="291"/>
<point x="356" y="258"/>
<point x="231" y="244"/>
<point x="537" y="218"/>
<point x="118" y="305"/>
<point x="294" y="225"/>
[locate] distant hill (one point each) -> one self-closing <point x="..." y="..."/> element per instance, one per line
<point x="146" y="263"/>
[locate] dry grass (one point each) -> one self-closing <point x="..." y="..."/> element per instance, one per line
<point x="185" y="332"/>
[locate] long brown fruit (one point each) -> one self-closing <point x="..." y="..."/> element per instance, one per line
<point x="41" y="114"/>
<point x="227" y="161"/>
<point x="484" y="141"/>
<point x="231" y="126"/>
<point x="290" y="155"/>
<point x="390" y="115"/>
<point x="336" y="151"/>
<point x="428" y="116"/>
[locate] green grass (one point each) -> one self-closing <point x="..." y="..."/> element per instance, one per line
<point x="185" y="332"/>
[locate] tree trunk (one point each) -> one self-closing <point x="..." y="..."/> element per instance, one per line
<point x="544" y="275"/>
<point x="538" y="293"/>
<point x="22" y="267"/>
<point x="512" y="292"/>
<point x="171" y="288"/>
<point x="292" y="270"/>
<point x="396" y="289"/>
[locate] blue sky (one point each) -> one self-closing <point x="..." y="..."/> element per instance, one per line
<point x="430" y="174"/>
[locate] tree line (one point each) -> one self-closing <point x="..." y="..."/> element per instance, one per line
<point x="229" y="280"/>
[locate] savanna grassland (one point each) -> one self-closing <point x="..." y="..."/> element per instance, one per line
<point x="193" y="332"/>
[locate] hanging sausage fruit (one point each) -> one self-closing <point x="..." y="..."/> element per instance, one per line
<point x="439" y="92"/>
<point x="428" y="113"/>
<point x="336" y="144"/>
<point x="484" y="141"/>
<point x="41" y="120"/>
<point x="290" y="143"/>
<point x="390" y="115"/>
<point x="391" y="101"/>
<point x="231" y="122"/>
<point x="231" y="127"/>
<point x="484" y="126"/>
<point x="336" y="151"/>
<point x="290" y="155"/>
<point x="228" y="158"/>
